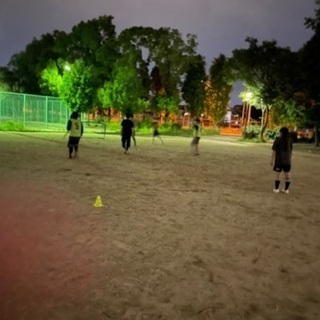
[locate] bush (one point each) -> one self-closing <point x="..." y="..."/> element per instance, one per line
<point x="211" y="131"/>
<point x="176" y="126"/>
<point x="12" y="126"/>
<point x="144" y="124"/>
<point x="114" y="126"/>
<point x="271" y="134"/>
<point x="251" y="132"/>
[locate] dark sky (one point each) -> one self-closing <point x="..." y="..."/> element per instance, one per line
<point x="220" y="25"/>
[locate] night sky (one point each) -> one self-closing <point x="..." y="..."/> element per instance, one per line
<point x="220" y="25"/>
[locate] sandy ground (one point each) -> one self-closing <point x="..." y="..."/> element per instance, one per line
<point x="178" y="237"/>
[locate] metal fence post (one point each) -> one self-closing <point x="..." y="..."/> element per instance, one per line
<point x="60" y="113"/>
<point x="46" y="113"/>
<point x="24" y="110"/>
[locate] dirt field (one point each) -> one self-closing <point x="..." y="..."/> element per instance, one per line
<point x="178" y="237"/>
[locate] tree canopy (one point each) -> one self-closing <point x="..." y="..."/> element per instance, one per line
<point x="144" y="68"/>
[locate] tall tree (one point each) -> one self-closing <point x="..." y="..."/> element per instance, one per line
<point x="95" y="42"/>
<point x="310" y="53"/>
<point x="77" y="87"/>
<point x="26" y="66"/>
<point x="267" y="68"/>
<point x="125" y="93"/>
<point x="167" y="56"/>
<point x="193" y="89"/>
<point x="219" y="88"/>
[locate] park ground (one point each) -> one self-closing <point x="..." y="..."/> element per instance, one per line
<point x="178" y="236"/>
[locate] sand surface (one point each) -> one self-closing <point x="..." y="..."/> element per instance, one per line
<point x="178" y="236"/>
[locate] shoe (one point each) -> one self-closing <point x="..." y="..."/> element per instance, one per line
<point x="285" y="191"/>
<point x="70" y="157"/>
<point x="276" y="190"/>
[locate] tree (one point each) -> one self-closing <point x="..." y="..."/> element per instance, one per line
<point x="26" y="67"/>
<point x="309" y="58"/>
<point x="193" y="89"/>
<point x="51" y="78"/>
<point x="101" y="52"/>
<point x="125" y="93"/>
<point x="95" y="42"/>
<point x="219" y="88"/>
<point x="313" y="119"/>
<point x="4" y="76"/>
<point x="77" y="89"/>
<point x="266" y="68"/>
<point x="167" y="56"/>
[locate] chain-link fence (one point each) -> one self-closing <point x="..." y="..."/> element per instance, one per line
<point x="33" y="112"/>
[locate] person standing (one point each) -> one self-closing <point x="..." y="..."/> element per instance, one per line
<point x="75" y="130"/>
<point x="281" y="159"/>
<point x="196" y="137"/>
<point x="127" y="128"/>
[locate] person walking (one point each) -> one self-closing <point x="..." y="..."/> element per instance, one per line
<point x="75" y="130"/>
<point x="156" y="131"/>
<point x="127" y="128"/>
<point x="281" y="159"/>
<point x="196" y="137"/>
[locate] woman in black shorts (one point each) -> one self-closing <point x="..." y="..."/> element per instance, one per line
<point x="281" y="159"/>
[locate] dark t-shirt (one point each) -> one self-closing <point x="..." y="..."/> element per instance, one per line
<point x="127" y="126"/>
<point x="283" y="152"/>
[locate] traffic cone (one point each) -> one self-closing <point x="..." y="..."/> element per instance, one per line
<point x="98" y="203"/>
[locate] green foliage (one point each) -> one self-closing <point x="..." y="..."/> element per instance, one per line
<point x="12" y="126"/>
<point x="126" y="92"/>
<point x="113" y="126"/>
<point x="210" y="131"/>
<point x="51" y="79"/>
<point x="172" y="56"/>
<point x="193" y="90"/>
<point x="168" y="103"/>
<point x="288" y="113"/>
<point x="77" y="90"/>
<point x="251" y="132"/>
<point x="271" y="134"/>
<point x="219" y="88"/>
<point x="267" y="69"/>
<point x="167" y="55"/>
<point x="145" y="123"/>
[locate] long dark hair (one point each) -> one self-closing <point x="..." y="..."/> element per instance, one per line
<point x="285" y="138"/>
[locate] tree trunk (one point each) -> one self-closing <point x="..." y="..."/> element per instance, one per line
<point x="244" y="119"/>
<point x="264" y="126"/>
<point x="249" y="115"/>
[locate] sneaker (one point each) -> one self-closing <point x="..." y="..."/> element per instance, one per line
<point x="276" y="190"/>
<point x="285" y="191"/>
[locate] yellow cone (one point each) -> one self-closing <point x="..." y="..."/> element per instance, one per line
<point x="98" y="203"/>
